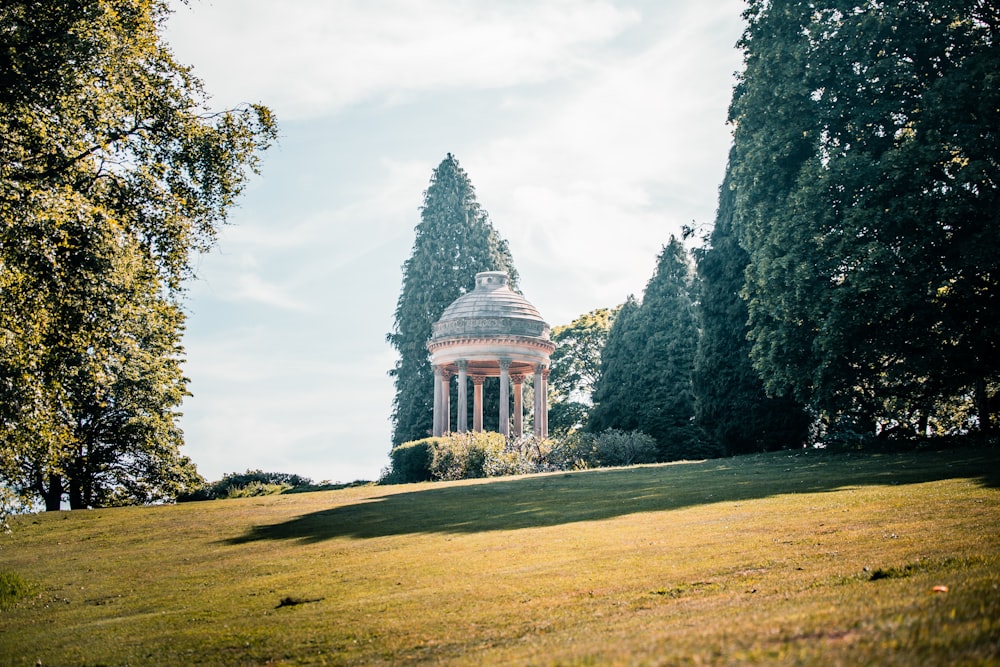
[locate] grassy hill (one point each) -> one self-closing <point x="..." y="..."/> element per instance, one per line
<point x="788" y="558"/>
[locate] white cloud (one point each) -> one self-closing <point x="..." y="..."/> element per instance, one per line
<point x="310" y="57"/>
<point x="599" y="184"/>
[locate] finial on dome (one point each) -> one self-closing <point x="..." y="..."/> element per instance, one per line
<point x="491" y="279"/>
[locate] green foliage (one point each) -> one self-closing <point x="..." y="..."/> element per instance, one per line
<point x="648" y="360"/>
<point x="576" y="368"/>
<point x="524" y="456"/>
<point x="473" y="455"/>
<point x="465" y="455"/>
<point x="567" y="416"/>
<point x="867" y="188"/>
<point x="454" y="240"/>
<point x="612" y="447"/>
<point x="410" y="462"/>
<point x="732" y="409"/>
<point x="100" y="123"/>
<point x="615" y="395"/>
<point x="246" y="484"/>
<point x="111" y="175"/>
<point x="13" y="587"/>
<point x="254" y="489"/>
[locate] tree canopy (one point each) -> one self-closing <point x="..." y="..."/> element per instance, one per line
<point x="112" y="173"/>
<point x="576" y="368"/>
<point x="867" y="181"/>
<point x="454" y="241"/>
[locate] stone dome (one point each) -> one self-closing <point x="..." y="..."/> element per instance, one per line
<point x="490" y="332"/>
<point x="491" y="309"/>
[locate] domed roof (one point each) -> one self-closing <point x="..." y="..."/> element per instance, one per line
<point x="492" y="308"/>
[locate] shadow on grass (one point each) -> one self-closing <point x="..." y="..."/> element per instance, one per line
<point x="561" y="498"/>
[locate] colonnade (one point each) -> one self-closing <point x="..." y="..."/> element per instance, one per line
<point x="460" y="369"/>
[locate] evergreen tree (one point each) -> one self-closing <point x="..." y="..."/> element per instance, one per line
<point x="454" y="240"/>
<point x="731" y="406"/>
<point x="868" y="187"/>
<point x="615" y="404"/>
<point x="647" y="374"/>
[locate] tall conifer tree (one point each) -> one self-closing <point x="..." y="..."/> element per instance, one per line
<point x="454" y="240"/>
<point x="615" y="391"/>
<point x="646" y="380"/>
<point x="731" y="407"/>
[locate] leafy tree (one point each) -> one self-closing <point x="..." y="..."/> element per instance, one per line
<point x="670" y="335"/>
<point x="646" y="380"/>
<point x="731" y="406"/>
<point x="576" y="368"/>
<point x="454" y="240"/>
<point x="112" y="173"/>
<point x="868" y="186"/>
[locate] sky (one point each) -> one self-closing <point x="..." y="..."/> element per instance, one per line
<point x="592" y="131"/>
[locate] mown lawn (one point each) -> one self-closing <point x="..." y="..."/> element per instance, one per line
<point x="799" y="557"/>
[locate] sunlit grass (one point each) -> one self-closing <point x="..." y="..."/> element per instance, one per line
<point x="791" y="558"/>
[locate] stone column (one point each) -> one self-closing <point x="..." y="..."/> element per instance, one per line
<point x="436" y="431"/>
<point x="463" y="396"/>
<point x="505" y="397"/>
<point x="477" y="403"/>
<point x="445" y="402"/>
<point x="539" y="393"/>
<point x="545" y="403"/>
<point x="518" y="381"/>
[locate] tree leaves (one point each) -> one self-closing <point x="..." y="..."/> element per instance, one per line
<point x="576" y="368"/>
<point x="866" y="183"/>
<point x="112" y="173"/>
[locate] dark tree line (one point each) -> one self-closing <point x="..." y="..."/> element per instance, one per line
<point x="849" y="287"/>
<point x="865" y="173"/>
<point x="732" y="408"/>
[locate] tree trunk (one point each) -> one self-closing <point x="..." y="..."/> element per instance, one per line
<point x="76" y="501"/>
<point x="53" y="494"/>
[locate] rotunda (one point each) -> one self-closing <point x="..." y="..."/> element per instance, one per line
<point x="490" y="332"/>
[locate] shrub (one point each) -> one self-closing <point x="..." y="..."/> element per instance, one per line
<point x="623" y="448"/>
<point x="470" y="455"/>
<point x="574" y="451"/>
<point x="410" y="462"/>
<point x="465" y="455"/>
<point x="521" y="457"/>
<point x="256" y="489"/>
<point x="249" y="483"/>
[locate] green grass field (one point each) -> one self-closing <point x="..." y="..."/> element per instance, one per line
<point x="799" y="557"/>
